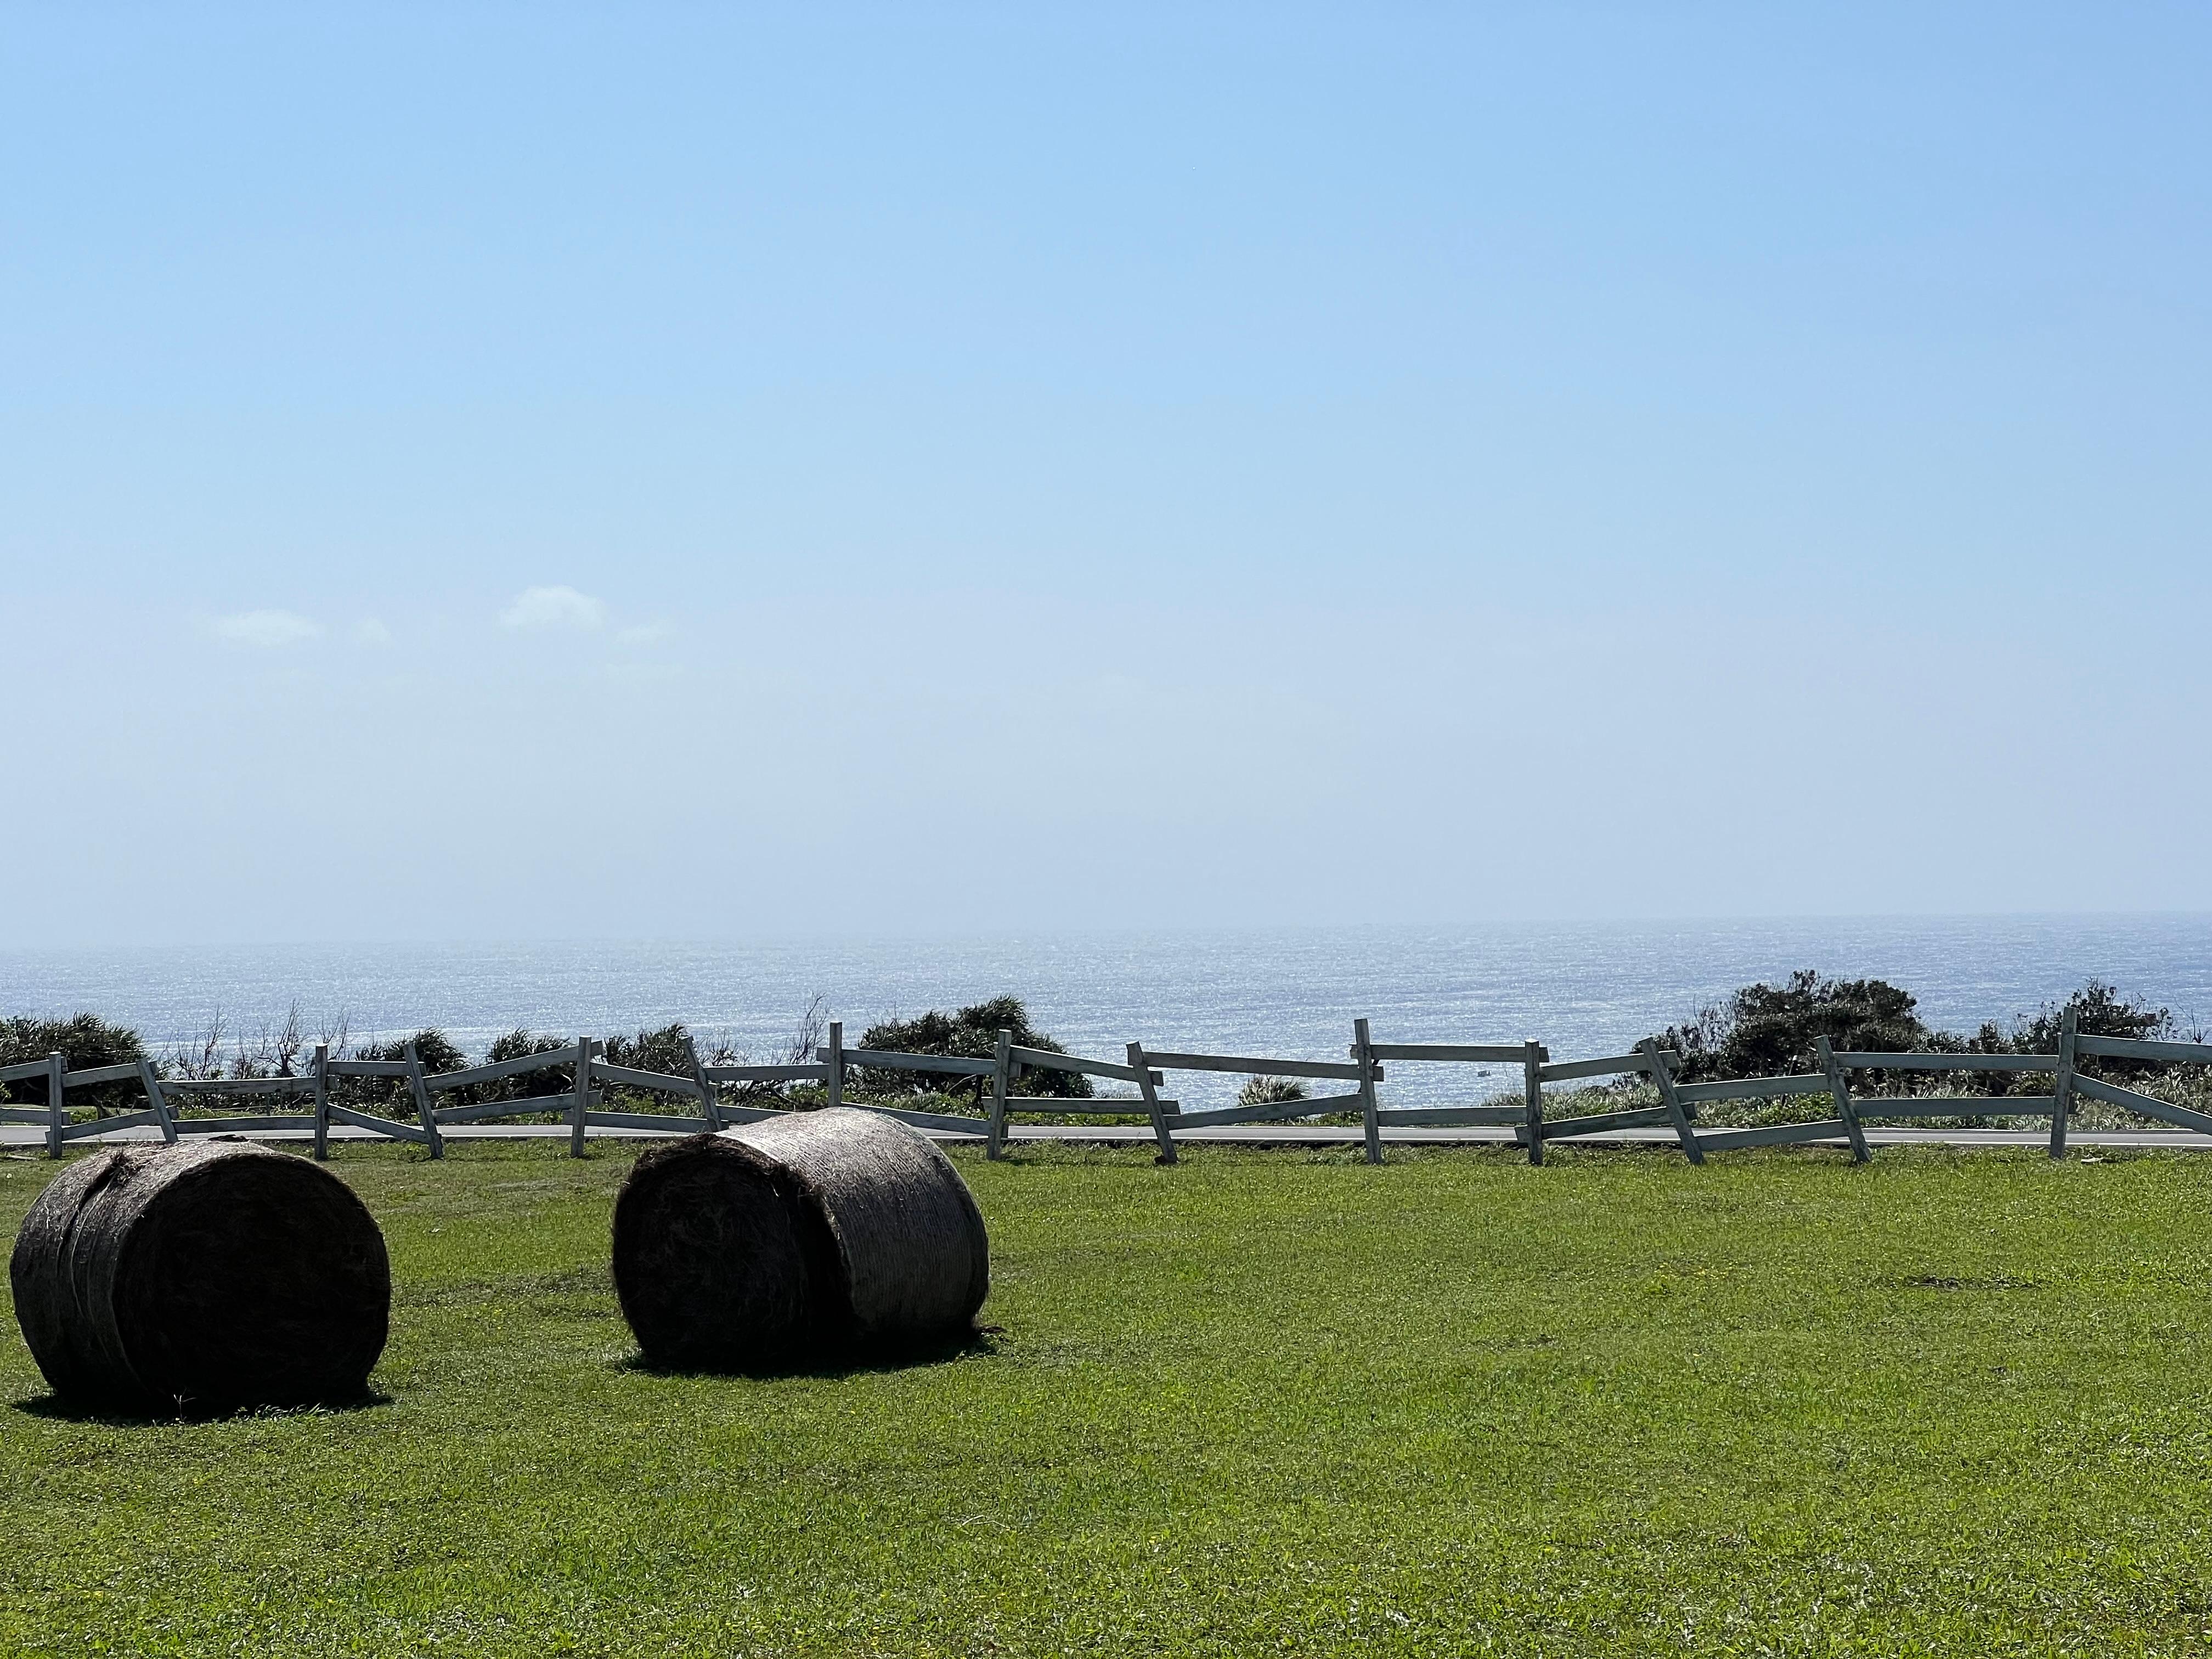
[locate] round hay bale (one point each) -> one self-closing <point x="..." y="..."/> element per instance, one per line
<point x="797" y="1237"/>
<point x="207" y="1278"/>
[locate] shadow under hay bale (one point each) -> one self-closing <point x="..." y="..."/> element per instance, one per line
<point x="790" y="1242"/>
<point x="200" y="1279"/>
<point x="56" y="1408"/>
<point x="946" y="1350"/>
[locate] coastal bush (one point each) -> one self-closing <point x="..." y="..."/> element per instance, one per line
<point x="391" y="1095"/>
<point x="437" y="1051"/>
<point x="662" y="1050"/>
<point x="666" y="1049"/>
<point x="2098" y="1010"/>
<point x="87" y="1040"/>
<point x="1772" y="1030"/>
<point x="972" y="1032"/>
<point x="513" y="1045"/>
<point x="1270" y="1090"/>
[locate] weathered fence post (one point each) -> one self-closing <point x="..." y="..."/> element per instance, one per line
<point x="56" y="1107"/>
<point x="709" y="1097"/>
<point x="1662" y="1074"/>
<point x="835" y="1091"/>
<point x="1840" y="1088"/>
<point x="580" y="1101"/>
<point x="1532" y="1098"/>
<point x="1143" y="1068"/>
<point x="159" y="1101"/>
<point x="424" y="1113"/>
<point x="1370" y="1123"/>
<point x="995" y="1147"/>
<point x="322" y="1103"/>
<point x="2061" y="1084"/>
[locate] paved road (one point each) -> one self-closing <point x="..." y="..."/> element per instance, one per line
<point x="23" y="1136"/>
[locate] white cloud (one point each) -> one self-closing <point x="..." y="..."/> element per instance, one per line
<point x="269" y="628"/>
<point x="642" y="633"/>
<point x="369" y="631"/>
<point x="553" y="607"/>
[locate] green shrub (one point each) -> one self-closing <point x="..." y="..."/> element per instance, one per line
<point x="437" y="1051"/>
<point x="390" y="1095"/>
<point x="2098" y="1010"/>
<point x="1772" y="1030"/>
<point x="666" y="1050"/>
<point x="1768" y="1031"/>
<point x="87" y="1040"/>
<point x="1270" y="1090"/>
<point x="513" y="1045"/>
<point x="973" y="1032"/>
<point x="518" y="1042"/>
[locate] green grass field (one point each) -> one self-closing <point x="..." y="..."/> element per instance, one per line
<point x="1261" y="1403"/>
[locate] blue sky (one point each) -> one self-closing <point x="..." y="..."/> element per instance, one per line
<point x="478" y="473"/>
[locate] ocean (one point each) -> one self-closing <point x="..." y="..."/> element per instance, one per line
<point x="1582" y="988"/>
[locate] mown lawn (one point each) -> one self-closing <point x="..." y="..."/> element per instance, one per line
<point x="1261" y="1403"/>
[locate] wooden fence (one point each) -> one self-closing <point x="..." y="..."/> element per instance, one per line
<point x="582" y="1101"/>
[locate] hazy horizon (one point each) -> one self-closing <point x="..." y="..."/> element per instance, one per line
<point x="802" y="938"/>
<point x="1589" y="988"/>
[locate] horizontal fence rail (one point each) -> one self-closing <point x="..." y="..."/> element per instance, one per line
<point x="1851" y="1060"/>
<point x="1751" y="1088"/>
<point x="190" y="1087"/>
<point x="2187" y="1053"/>
<point x="1250" y="1066"/>
<point x="499" y="1070"/>
<point x="401" y="1102"/>
<point x="1045" y="1059"/>
<point x="890" y="1060"/>
<point x="1495" y="1054"/>
<point x="1569" y="1071"/>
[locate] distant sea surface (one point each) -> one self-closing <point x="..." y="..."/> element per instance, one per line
<point x="1582" y="988"/>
